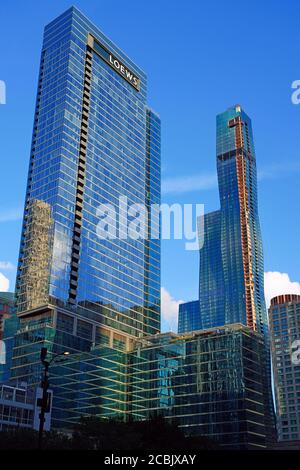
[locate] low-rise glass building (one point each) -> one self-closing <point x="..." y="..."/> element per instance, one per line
<point x="8" y="328"/>
<point x="212" y="382"/>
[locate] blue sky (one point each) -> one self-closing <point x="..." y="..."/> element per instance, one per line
<point x="200" y="57"/>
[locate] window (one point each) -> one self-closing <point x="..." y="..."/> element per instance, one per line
<point x="7" y="393"/>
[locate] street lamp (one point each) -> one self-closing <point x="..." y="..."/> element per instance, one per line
<point x="44" y="386"/>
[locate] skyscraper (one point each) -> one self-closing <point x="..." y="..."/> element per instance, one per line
<point x="94" y="141"/>
<point x="189" y="316"/>
<point x="231" y="261"/>
<point x="284" y="315"/>
<point x="231" y="288"/>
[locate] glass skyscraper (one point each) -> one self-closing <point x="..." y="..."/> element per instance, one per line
<point x="94" y="141"/>
<point x="231" y="285"/>
<point x="189" y="316"/>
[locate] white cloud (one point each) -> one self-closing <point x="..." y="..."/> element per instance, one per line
<point x="169" y="310"/>
<point x="278" y="170"/>
<point x="185" y="184"/>
<point x="4" y="283"/>
<point x="206" y="181"/>
<point x="6" y="265"/>
<point x="10" y="215"/>
<point x="277" y="283"/>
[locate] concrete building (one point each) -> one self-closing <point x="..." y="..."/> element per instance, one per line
<point x="19" y="406"/>
<point x="284" y="317"/>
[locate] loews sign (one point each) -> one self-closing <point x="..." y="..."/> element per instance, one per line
<point x="124" y="71"/>
<point x="115" y="63"/>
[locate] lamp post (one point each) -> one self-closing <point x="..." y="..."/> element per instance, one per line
<point x="44" y="386"/>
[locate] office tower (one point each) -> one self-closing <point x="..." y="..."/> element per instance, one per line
<point x="8" y="328"/>
<point x="284" y="317"/>
<point x="231" y="261"/>
<point x="231" y="288"/>
<point x="6" y="306"/>
<point x="189" y="316"/>
<point x="211" y="382"/>
<point x="94" y="141"/>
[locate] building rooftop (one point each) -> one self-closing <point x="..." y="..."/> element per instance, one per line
<point x="284" y="298"/>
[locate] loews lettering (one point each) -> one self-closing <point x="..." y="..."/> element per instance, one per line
<point x="130" y="77"/>
<point x="115" y="63"/>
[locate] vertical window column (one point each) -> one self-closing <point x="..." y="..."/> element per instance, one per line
<point x="75" y="253"/>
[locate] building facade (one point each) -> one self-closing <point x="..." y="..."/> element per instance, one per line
<point x="82" y="280"/>
<point x="210" y="382"/>
<point x="95" y="149"/>
<point x="231" y="287"/>
<point x="231" y="281"/>
<point x="19" y="407"/>
<point x="8" y="328"/>
<point x="6" y="309"/>
<point x="189" y="317"/>
<point x="284" y="317"/>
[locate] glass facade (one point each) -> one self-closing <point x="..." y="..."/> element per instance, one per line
<point x="6" y="307"/>
<point x="231" y="285"/>
<point x="231" y="260"/>
<point x="94" y="141"/>
<point x="284" y="317"/>
<point x="8" y="327"/>
<point x="212" y="383"/>
<point x="91" y="380"/>
<point x="189" y="317"/>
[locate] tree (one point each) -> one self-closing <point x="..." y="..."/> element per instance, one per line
<point x="155" y="434"/>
